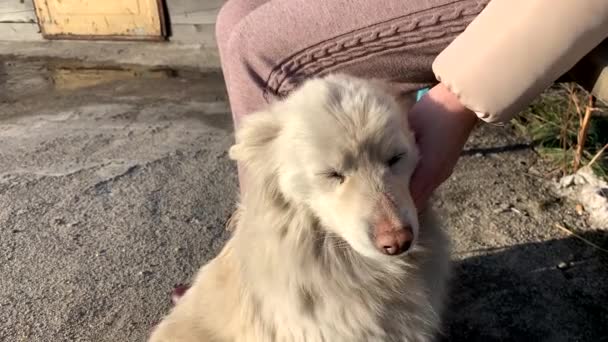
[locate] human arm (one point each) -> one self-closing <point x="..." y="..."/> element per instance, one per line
<point x="506" y="57"/>
<point x="515" y="49"/>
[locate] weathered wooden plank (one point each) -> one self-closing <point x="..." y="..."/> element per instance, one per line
<point x="203" y="34"/>
<point x="17" y="11"/>
<point x="20" y="32"/>
<point x="194" y="11"/>
<point x="83" y="19"/>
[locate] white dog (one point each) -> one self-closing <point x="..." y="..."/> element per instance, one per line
<point x="327" y="244"/>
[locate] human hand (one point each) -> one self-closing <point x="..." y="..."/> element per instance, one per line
<point x="442" y="126"/>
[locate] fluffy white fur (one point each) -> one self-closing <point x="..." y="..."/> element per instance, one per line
<point x="301" y="264"/>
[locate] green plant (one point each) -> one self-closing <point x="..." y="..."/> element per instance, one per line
<point x="569" y="128"/>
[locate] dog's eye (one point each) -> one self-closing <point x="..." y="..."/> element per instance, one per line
<point x="336" y="176"/>
<point x="395" y="159"/>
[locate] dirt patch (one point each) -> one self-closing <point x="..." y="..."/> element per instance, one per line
<point x="517" y="276"/>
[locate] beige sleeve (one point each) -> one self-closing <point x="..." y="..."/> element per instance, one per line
<point x="515" y="49"/>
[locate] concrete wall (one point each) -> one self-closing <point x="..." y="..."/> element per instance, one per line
<point x="191" y="21"/>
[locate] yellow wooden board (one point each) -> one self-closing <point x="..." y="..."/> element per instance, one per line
<point x="101" y="19"/>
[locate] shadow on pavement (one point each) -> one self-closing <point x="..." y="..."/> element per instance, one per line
<point x="555" y="290"/>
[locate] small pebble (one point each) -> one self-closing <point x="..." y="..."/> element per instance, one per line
<point x="579" y="209"/>
<point x="504" y="207"/>
<point x="519" y="212"/>
<point x="59" y="221"/>
<point x="562" y="265"/>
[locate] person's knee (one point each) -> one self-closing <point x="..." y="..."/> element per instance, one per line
<point x="242" y="45"/>
<point x="229" y="16"/>
<point x="226" y="20"/>
<point x="249" y="52"/>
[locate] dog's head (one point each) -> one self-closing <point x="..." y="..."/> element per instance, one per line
<point x="340" y="146"/>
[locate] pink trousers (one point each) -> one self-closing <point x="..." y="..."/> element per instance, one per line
<point x="267" y="47"/>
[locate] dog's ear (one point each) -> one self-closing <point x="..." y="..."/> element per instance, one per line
<point x="254" y="138"/>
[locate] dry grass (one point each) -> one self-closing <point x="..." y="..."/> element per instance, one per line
<point x="569" y="128"/>
<point x="571" y="232"/>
